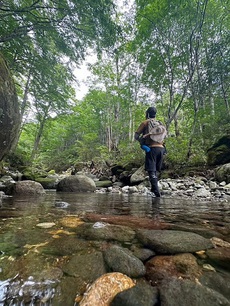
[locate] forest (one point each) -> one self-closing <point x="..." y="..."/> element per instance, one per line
<point x="174" y="55"/>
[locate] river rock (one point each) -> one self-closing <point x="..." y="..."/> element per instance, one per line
<point x="85" y="267"/>
<point x="46" y="224"/>
<point x="202" y="231"/>
<point x="71" y="221"/>
<point x="218" y="282"/>
<point x="122" y="260"/>
<point x="202" y="193"/>
<point x="105" y="231"/>
<point x="105" y="288"/>
<point x="217" y="242"/>
<point x="220" y="255"/>
<point x="28" y="188"/>
<point x="138" y="176"/>
<point x="140" y="295"/>
<point x="174" y="292"/>
<point x="142" y="253"/>
<point x="222" y="173"/>
<point x="103" y="184"/>
<point x="76" y="183"/>
<point x="180" y="265"/>
<point x="65" y="246"/>
<point x="172" y="242"/>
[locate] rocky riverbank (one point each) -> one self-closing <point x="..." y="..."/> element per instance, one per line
<point x="188" y="187"/>
<point x="206" y="185"/>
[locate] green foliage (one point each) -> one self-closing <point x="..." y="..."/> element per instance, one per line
<point x="173" y="54"/>
<point x="130" y="152"/>
<point x="177" y="149"/>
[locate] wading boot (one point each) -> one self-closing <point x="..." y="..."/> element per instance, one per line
<point x="154" y="187"/>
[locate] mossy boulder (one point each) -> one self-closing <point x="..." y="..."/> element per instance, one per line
<point x="219" y="153"/>
<point x="47" y="182"/>
<point x="103" y="184"/>
<point x="222" y="173"/>
<point x="34" y="174"/>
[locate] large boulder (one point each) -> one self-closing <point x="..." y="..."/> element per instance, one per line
<point x="28" y="188"/>
<point x="10" y="118"/>
<point x="219" y="153"/>
<point x="76" y="183"/>
<point x="222" y="173"/>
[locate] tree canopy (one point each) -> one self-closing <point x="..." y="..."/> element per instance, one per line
<point x="172" y="54"/>
<point x="36" y="37"/>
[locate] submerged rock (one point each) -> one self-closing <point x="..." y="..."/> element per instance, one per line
<point x="85" y="267"/>
<point x="217" y="282"/>
<point x="105" y="288"/>
<point x="108" y="232"/>
<point x="122" y="260"/>
<point x="172" y="242"/>
<point x="180" y="265"/>
<point x="221" y="256"/>
<point x="140" y="295"/>
<point x="174" y="292"/>
<point x="46" y="224"/>
<point x="71" y="221"/>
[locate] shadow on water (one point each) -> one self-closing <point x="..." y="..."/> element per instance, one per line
<point x="21" y="262"/>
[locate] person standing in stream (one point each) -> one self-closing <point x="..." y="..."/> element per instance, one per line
<point x="153" y="144"/>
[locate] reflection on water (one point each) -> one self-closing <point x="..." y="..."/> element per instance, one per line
<point x="20" y="238"/>
<point x="168" y="209"/>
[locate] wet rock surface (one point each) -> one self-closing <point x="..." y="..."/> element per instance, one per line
<point x="122" y="260"/>
<point x="181" y="266"/>
<point x="105" y="231"/>
<point x="173" y="242"/>
<point x="220" y="256"/>
<point x="174" y="292"/>
<point x="105" y="288"/>
<point x="219" y="282"/>
<point x="142" y="294"/>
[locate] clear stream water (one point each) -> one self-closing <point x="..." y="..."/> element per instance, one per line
<point x="20" y="239"/>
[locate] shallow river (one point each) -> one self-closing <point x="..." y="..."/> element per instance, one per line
<point x="22" y="260"/>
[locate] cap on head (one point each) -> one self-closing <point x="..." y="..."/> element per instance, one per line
<point x="151" y="112"/>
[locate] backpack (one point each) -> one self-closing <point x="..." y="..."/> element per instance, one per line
<point x="156" y="131"/>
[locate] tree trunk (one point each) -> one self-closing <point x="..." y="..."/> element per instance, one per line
<point x="10" y="118"/>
